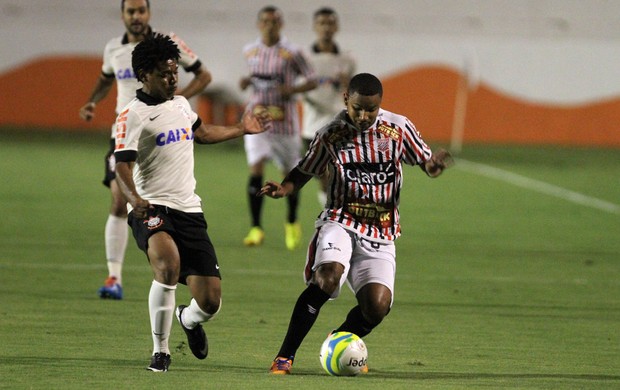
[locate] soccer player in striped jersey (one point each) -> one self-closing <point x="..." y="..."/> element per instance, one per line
<point x="278" y="71"/>
<point x="117" y="67"/>
<point x="333" y="69"/>
<point x="155" y="136"/>
<point x="363" y="150"/>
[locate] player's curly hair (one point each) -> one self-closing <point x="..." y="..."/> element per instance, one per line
<point x="365" y="84"/>
<point x="150" y="52"/>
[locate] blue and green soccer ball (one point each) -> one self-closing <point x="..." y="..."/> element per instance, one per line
<point x="343" y="354"/>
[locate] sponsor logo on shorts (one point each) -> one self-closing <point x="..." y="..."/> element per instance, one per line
<point x="153" y="222"/>
<point x="331" y="247"/>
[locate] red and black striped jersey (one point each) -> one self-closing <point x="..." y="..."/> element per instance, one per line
<point x="271" y="67"/>
<point x="365" y="170"/>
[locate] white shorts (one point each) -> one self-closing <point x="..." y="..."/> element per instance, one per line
<point x="364" y="261"/>
<point x="284" y="150"/>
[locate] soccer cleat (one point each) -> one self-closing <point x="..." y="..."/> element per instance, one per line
<point x="111" y="289"/>
<point x="292" y="235"/>
<point x="364" y="369"/>
<point x="196" y="338"/>
<point x="159" y="362"/>
<point x="281" y="366"/>
<point x="255" y="237"/>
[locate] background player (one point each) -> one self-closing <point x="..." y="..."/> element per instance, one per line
<point x="117" y="66"/>
<point x="155" y="136"/>
<point x="275" y="65"/>
<point x="333" y="70"/>
<point x="363" y="149"/>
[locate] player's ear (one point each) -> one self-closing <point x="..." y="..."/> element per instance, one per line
<point x="140" y="76"/>
<point x="346" y="98"/>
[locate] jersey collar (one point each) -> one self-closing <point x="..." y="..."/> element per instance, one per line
<point x="148" y="99"/>
<point x="149" y="34"/>
<point x="315" y="49"/>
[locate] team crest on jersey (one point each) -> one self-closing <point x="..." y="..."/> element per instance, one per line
<point x="383" y="144"/>
<point x="153" y="222"/>
<point x="389" y="131"/>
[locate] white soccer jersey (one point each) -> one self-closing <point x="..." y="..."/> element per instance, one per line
<point x="366" y="167"/>
<point x="117" y="63"/>
<point x="159" y="137"/>
<point x="321" y="104"/>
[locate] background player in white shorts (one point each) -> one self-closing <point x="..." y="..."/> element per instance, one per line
<point x="117" y="66"/>
<point x="155" y="135"/>
<point x="363" y="149"/>
<point x="277" y="71"/>
<point x="333" y="69"/>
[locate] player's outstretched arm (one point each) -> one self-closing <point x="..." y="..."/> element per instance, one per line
<point x="293" y="182"/>
<point x="440" y="161"/>
<point x="251" y="123"/>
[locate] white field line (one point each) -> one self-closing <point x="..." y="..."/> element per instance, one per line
<point x="538" y="186"/>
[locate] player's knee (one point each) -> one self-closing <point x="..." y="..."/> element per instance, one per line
<point x="375" y="313"/>
<point x="327" y="277"/>
<point x="375" y="302"/>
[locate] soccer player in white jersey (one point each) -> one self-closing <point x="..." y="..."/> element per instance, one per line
<point x="333" y="69"/>
<point x="117" y="66"/>
<point x="155" y="136"/>
<point x="278" y="71"/>
<point x="363" y="149"/>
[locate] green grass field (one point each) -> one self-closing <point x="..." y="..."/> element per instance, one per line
<point x="498" y="285"/>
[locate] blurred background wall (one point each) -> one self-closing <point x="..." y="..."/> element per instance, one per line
<point x="517" y="71"/>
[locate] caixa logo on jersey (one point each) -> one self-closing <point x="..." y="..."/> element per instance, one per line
<point x="125" y="74"/>
<point x="173" y="136"/>
<point x="370" y="173"/>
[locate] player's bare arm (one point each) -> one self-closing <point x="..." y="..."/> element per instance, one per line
<point x="440" y="161"/>
<point x="202" y="78"/>
<point x="251" y="123"/>
<point x="124" y="176"/>
<point x="245" y="82"/>
<point x="100" y="91"/>
<point x="289" y="90"/>
<point x="293" y="182"/>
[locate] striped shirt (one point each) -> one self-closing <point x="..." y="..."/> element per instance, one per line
<point x="271" y="67"/>
<point x="365" y="168"/>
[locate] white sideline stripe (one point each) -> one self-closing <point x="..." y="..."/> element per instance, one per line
<point x="538" y="186"/>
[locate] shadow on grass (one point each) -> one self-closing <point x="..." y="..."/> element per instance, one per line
<point x="99" y="363"/>
<point x="482" y="375"/>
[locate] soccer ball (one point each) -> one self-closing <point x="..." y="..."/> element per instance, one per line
<point x="343" y="354"/>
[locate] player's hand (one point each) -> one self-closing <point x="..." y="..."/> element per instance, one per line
<point x="286" y="92"/>
<point x="141" y="207"/>
<point x="272" y="190"/>
<point x="441" y="160"/>
<point x="256" y="122"/>
<point x="244" y="83"/>
<point x="87" y="112"/>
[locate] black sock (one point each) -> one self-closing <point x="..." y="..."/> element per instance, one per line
<point x="256" y="202"/>
<point x="304" y="315"/>
<point x="293" y="202"/>
<point x="356" y="323"/>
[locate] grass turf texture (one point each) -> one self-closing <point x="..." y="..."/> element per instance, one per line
<point x="497" y="286"/>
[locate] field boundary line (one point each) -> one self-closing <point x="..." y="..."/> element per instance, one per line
<point x="537" y="185"/>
